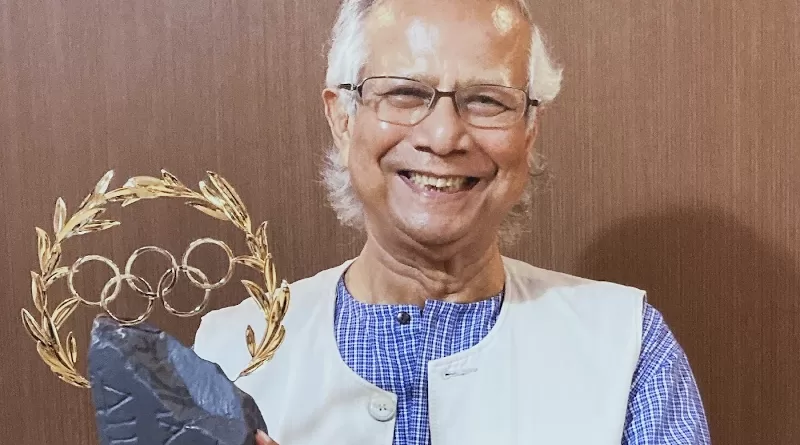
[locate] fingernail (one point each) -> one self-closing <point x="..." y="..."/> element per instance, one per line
<point x="262" y="435"/>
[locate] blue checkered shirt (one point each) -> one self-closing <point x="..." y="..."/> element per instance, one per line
<point x="664" y="406"/>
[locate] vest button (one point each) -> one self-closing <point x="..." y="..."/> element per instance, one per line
<point x="381" y="408"/>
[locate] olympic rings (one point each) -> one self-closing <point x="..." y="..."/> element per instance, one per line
<point x="165" y="285"/>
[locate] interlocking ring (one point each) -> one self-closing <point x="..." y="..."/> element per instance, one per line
<point x="166" y="283"/>
<point x="200" y="307"/>
<point x="161" y="290"/>
<point x="189" y="270"/>
<point x="75" y="269"/>
<point x="105" y="299"/>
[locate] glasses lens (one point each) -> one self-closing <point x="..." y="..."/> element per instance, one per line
<point x="491" y="106"/>
<point x="398" y="101"/>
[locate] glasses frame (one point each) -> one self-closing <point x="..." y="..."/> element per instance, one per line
<point x="438" y="94"/>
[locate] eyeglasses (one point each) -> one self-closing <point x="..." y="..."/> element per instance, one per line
<point x="402" y="101"/>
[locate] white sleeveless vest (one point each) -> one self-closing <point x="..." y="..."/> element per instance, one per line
<point x="556" y="369"/>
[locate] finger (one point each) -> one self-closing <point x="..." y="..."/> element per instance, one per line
<point x="263" y="439"/>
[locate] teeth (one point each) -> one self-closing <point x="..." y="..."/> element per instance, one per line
<point x="449" y="184"/>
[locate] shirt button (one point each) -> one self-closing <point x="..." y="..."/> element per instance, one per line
<point x="404" y="317"/>
<point x="381" y="408"/>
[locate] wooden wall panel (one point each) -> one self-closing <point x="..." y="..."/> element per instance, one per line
<point x="674" y="150"/>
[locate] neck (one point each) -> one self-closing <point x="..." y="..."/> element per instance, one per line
<point x="385" y="274"/>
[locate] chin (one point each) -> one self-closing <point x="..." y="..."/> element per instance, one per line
<point x="435" y="231"/>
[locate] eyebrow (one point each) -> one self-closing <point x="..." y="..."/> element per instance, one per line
<point x="434" y="80"/>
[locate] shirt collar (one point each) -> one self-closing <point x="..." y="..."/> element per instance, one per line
<point x="487" y="309"/>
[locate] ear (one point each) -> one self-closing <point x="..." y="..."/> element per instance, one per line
<point x="533" y="132"/>
<point x="338" y="121"/>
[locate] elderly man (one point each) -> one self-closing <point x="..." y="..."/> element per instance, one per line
<point x="430" y="335"/>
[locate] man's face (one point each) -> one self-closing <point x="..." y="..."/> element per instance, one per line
<point x="442" y="180"/>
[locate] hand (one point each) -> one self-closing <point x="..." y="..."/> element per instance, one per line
<point x="263" y="439"/>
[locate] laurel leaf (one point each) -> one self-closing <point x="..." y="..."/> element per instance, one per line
<point x="32" y="327"/>
<point x="73" y="225"/>
<point x="249" y="261"/>
<point x="93" y="200"/>
<point x="133" y="194"/>
<point x="208" y="210"/>
<point x="52" y="262"/>
<point x="79" y="219"/>
<point x="38" y="292"/>
<point x="267" y="275"/>
<point x="72" y="349"/>
<point x="250" y="337"/>
<point x="64" y="310"/>
<point x="252" y="245"/>
<point x="74" y="380"/>
<point x="56" y="275"/>
<point x="261" y="229"/>
<point x="229" y="194"/>
<point x="280" y="302"/>
<point x="50" y="330"/>
<point x="252" y="366"/>
<point x="278" y="339"/>
<point x="55" y="359"/>
<point x="86" y="201"/>
<point x="271" y="276"/>
<point x="42" y="247"/>
<point x="59" y="215"/>
<point x="212" y="195"/>
<point x="286" y="294"/>
<point x="257" y="294"/>
<point x="169" y="178"/>
<point x="58" y="348"/>
<point x="263" y="240"/>
<point x="102" y="185"/>
<point x="164" y="190"/>
<point x="270" y="346"/>
<point x="224" y="205"/>
<point x="47" y="354"/>
<point x="120" y="194"/>
<point x="130" y="201"/>
<point x="142" y="181"/>
<point x="96" y="226"/>
<point x="275" y="316"/>
<point x="98" y="195"/>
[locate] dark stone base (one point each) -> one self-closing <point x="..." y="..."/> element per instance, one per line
<point x="149" y="389"/>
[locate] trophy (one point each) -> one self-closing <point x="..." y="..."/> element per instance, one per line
<point x="146" y="386"/>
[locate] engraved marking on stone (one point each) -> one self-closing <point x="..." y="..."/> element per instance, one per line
<point x="170" y="424"/>
<point x="123" y="423"/>
<point x="107" y="410"/>
<point x="173" y="437"/>
<point x="126" y="441"/>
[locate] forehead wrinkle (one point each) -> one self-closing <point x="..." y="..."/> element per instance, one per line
<point x="497" y="77"/>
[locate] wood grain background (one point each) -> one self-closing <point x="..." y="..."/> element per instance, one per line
<point x="675" y="150"/>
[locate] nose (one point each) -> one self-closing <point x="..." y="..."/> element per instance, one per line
<point x="443" y="131"/>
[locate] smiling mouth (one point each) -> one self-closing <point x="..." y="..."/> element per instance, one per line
<point x="442" y="184"/>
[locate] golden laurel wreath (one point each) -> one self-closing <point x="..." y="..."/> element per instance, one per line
<point x="216" y="198"/>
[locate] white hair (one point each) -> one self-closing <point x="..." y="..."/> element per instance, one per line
<point x="346" y="59"/>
